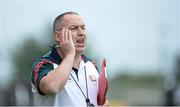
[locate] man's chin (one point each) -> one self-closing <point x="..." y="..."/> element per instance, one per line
<point x="80" y="49"/>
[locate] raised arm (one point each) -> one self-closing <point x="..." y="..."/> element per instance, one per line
<point x="55" y="80"/>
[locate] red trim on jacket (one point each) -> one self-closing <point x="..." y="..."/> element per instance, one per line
<point x="38" y="66"/>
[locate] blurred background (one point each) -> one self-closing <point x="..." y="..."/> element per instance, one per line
<point x="139" y="38"/>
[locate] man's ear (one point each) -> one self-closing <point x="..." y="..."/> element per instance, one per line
<point x="57" y="36"/>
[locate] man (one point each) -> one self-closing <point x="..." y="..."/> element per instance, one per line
<point x="65" y="77"/>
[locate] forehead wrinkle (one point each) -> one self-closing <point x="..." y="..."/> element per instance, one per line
<point x="77" y="21"/>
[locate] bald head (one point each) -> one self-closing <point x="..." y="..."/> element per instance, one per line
<point x="58" y="22"/>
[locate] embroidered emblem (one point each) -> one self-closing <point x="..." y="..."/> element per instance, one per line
<point x="92" y="78"/>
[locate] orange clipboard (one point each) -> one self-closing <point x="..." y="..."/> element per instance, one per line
<point x="102" y="84"/>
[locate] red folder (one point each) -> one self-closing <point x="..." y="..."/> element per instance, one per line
<point x="103" y="84"/>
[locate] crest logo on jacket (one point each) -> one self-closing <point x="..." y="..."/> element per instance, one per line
<point x="93" y="78"/>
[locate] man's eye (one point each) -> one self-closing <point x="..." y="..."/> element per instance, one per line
<point x="83" y="27"/>
<point x="72" y="28"/>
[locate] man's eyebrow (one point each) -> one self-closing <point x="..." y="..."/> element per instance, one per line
<point x="73" y="25"/>
<point x="77" y="25"/>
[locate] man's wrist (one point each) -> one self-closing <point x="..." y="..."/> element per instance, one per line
<point x="70" y="56"/>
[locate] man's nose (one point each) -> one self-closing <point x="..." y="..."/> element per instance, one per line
<point x="81" y="32"/>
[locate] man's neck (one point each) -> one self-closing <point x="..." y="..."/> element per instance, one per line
<point x="77" y="60"/>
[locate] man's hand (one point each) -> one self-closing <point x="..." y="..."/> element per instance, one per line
<point x="66" y="43"/>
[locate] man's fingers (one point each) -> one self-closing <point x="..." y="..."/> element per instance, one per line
<point x="70" y="36"/>
<point x="66" y="35"/>
<point x="62" y="36"/>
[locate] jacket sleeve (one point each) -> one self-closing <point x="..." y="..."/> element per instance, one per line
<point x="40" y="69"/>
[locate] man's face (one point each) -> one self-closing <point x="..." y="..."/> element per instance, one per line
<point x="76" y="25"/>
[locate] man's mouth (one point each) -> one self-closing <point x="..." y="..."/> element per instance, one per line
<point x="80" y="42"/>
